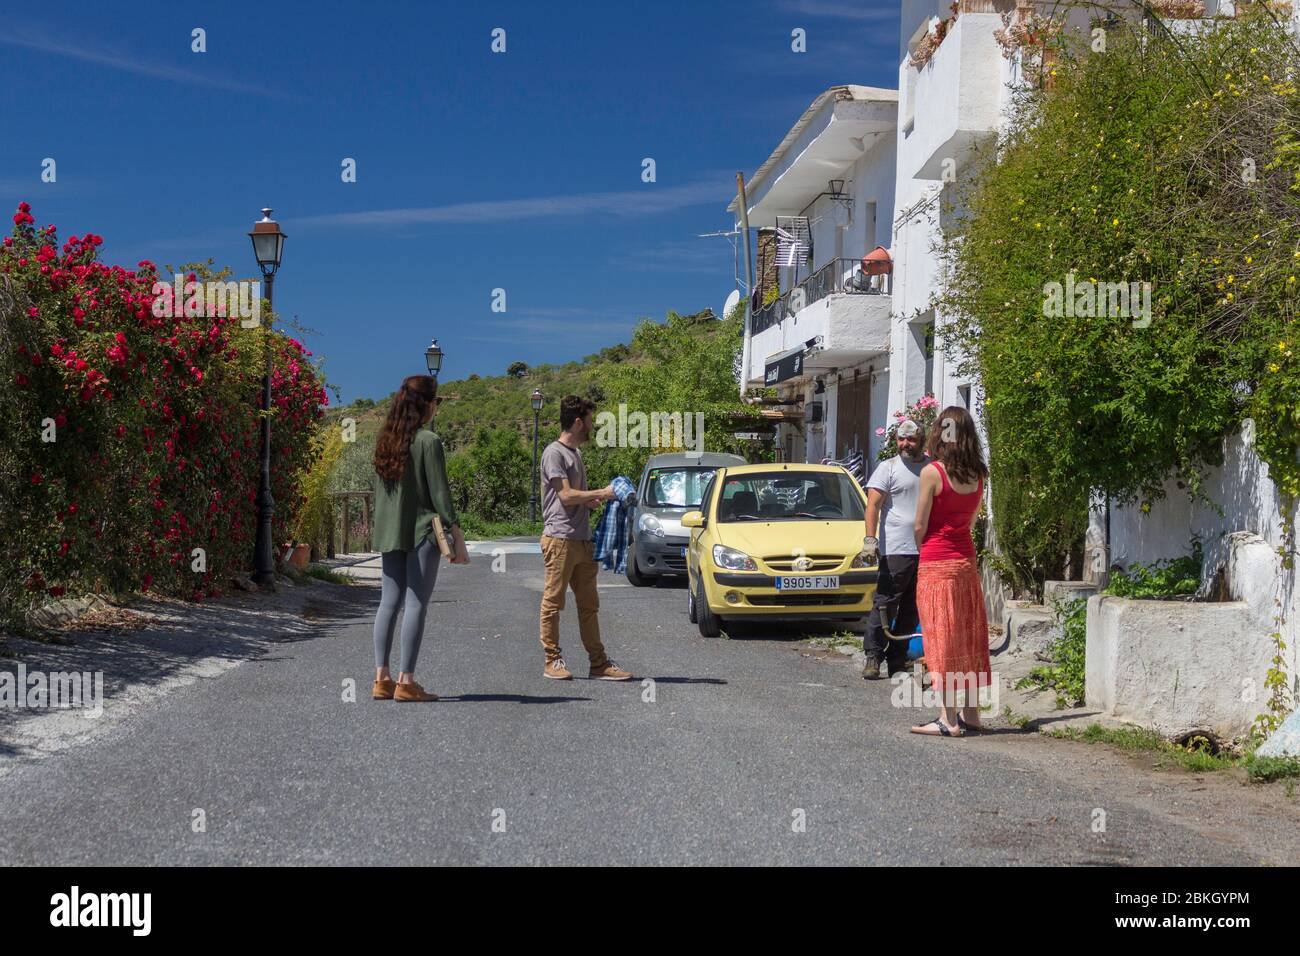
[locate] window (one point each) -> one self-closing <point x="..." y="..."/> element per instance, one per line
<point x="791" y="496"/>
<point x="676" y="487"/>
<point x="920" y="359"/>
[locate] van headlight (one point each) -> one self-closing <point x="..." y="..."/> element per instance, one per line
<point x="729" y="559"/>
<point x="649" y="524"/>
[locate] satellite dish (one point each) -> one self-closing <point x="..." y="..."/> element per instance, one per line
<point x="733" y="300"/>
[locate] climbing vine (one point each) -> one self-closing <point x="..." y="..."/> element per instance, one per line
<point x="1124" y="276"/>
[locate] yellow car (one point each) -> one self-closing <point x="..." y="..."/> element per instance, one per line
<point x="778" y="542"/>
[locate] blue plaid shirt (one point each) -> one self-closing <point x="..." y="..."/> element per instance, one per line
<point x="610" y="540"/>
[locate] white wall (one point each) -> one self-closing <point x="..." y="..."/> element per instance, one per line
<point x="1242" y="498"/>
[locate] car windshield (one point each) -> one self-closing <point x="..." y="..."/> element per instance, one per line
<point x="790" y="496"/>
<point x="676" y="487"/>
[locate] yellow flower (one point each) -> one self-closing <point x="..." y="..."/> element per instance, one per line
<point x="1274" y="367"/>
<point x="1231" y="279"/>
<point x="1114" y="222"/>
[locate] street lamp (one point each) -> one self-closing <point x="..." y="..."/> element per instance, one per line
<point x="433" y="358"/>
<point x="538" y="400"/>
<point x="268" y="247"/>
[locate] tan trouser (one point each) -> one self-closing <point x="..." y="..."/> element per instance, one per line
<point x="570" y="564"/>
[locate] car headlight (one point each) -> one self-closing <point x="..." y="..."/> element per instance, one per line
<point x="649" y="524"/>
<point x="732" y="560"/>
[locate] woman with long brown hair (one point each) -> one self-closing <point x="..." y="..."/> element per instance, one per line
<point x="954" y="625"/>
<point x="410" y="488"/>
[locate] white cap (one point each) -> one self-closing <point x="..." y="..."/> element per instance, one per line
<point x="907" y="428"/>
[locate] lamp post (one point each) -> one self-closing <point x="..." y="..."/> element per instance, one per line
<point x="433" y="358"/>
<point x="268" y="247"/>
<point x="532" y="499"/>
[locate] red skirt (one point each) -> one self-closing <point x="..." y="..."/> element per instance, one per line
<point x="954" y="627"/>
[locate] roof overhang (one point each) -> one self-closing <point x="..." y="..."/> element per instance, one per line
<point x="840" y="126"/>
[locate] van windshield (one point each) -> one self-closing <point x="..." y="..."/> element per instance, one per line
<point x="676" y="487"/>
<point x="791" y="496"/>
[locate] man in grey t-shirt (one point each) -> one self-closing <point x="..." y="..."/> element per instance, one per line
<point x="566" y="544"/>
<point x="573" y="523"/>
<point x="892" y="492"/>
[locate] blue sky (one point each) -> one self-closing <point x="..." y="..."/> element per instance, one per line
<point x="475" y="170"/>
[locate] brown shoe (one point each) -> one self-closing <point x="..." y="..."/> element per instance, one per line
<point x="608" y="671"/>
<point x="383" y="689"/>
<point x="556" y="670"/>
<point x="412" y="691"/>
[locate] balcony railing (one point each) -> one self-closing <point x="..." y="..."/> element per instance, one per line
<point x="838" y="275"/>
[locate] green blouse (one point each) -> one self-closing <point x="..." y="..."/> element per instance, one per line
<point x="404" y="514"/>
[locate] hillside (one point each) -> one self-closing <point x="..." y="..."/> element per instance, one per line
<point x="477" y="404"/>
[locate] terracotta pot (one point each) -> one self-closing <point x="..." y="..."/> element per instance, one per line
<point x="300" y="557"/>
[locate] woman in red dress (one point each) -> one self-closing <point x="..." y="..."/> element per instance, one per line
<point x="954" y="624"/>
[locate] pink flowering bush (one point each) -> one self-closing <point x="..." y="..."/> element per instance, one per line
<point x="924" y="411"/>
<point x="128" y="440"/>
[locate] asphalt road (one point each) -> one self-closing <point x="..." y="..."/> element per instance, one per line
<point x="735" y="744"/>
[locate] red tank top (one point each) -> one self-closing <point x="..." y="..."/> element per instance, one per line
<point x="947" y="537"/>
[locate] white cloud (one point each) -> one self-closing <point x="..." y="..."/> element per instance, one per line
<point x="865" y="12"/>
<point x="130" y="63"/>
<point x="647" y="200"/>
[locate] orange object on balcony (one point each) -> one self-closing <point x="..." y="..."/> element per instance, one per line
<point x="877" y="262"/>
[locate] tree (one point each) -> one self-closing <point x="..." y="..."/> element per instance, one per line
<point x="517" y="369"/>
<point x="681" y="368"/>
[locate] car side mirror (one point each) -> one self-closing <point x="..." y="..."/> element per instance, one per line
<point x="693" y="519"/>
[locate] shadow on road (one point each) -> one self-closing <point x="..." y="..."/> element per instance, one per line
<point x="688" y="680"/>
<point x="177" y="634"/>
<point x="508" y="699"/>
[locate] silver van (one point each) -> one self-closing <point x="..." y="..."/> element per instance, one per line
<point x="671" y="485"/>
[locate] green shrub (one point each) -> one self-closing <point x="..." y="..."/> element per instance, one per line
<point x="1131" y="166"/>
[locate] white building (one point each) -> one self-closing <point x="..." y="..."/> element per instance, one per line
<point x="824" y="341"/>
<point x="843" y="356"/>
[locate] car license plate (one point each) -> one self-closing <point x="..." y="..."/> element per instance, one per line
<point x="808" y="582"/>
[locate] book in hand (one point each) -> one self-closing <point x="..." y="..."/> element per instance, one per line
<point x="442" y="538"/>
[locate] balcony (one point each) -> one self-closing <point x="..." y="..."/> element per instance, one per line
<point x="957" y="98"/>
<point x="836" y="318"/>
<point x="838" y="275"/>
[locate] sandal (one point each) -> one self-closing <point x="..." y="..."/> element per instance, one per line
<point x="944" y="729"/>
<point x="969" y="728"/>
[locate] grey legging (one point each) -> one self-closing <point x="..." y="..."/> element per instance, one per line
<point x="413" y="572"/>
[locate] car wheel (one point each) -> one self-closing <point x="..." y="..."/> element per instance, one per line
<point x="690" y="603"/>
<point x="707" y="621"/>
<point x="634" y="575"/>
